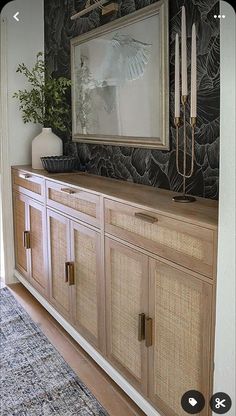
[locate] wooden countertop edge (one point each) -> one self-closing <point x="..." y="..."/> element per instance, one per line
<point x="188" y="216"/>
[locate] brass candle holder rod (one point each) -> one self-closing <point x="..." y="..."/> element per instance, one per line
<point x="185" y="175"/>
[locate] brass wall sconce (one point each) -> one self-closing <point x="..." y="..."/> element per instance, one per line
<point x="107" y="7"/>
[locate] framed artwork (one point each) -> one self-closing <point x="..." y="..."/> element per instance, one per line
<point x="120" y="81"/>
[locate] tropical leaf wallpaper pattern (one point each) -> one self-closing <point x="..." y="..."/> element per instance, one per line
<point x="150" y="167"/>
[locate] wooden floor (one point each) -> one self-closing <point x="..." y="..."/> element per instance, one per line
<point x="113" y="399"/>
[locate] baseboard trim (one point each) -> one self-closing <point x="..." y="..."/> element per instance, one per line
<point x="122" y="383"/>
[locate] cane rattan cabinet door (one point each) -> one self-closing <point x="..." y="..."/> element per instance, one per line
<point x="126" y="300"/>
<point x="38" y="246"/>
<point x="86" y="258"/>
<point x="21" y="230"/>
<point x="179" y="359"/>
<point x="59" y="256"/>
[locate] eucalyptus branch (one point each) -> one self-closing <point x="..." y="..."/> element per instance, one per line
<point x="45" y="102"/>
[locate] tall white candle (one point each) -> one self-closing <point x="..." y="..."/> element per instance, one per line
<point x="193" y="111"/>
<point x="177" y="90"/>
<point x="184" y="53"/>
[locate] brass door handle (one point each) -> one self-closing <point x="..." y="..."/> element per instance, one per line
<point x="69" y="273"/>
<point x="24" y="176"/>
<point x="68" y="191"/>
<point x="145" y="217"/>
<point x="66" y="272"/>
<point x="26" y="239"/>
<point x="141" y="326"/>
<point x="148" y="332"/>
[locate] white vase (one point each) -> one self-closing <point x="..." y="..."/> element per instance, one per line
<point x="45" y="144"/>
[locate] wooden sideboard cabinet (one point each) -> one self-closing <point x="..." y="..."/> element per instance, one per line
<point x="133" y="273"/>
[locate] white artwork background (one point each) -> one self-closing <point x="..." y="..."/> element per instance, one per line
<point x="115" y="105"/>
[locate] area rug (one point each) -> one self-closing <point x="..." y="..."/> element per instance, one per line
<point x="34" y="378"/>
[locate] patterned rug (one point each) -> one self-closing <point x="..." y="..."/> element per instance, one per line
<point x="34" y="378"/>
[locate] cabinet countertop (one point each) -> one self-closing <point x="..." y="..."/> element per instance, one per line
<point x="203" y="212"/>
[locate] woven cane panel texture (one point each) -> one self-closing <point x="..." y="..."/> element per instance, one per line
<point x="126" y="289"/>
<point x="171" y="238"/>
<point x="19" y="230"/>
<point x="177" y="347"/>
<point x="58" y="259"/>
<point x="31" y="186"/>
<point x="74" y="202"/>
<point x="86" y="281"/>
<point x="36" y="244"/>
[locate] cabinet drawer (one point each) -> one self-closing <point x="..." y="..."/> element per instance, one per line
<point x="75" y="202"/>
<point x="29" y="184"/>
<point x="183" y="243"/>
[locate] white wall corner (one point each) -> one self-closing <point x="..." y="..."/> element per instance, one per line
<point x="20" y="42"/>
<point x="224" y="375"/>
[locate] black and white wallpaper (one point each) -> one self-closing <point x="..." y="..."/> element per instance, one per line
<point x="149" y="167"/>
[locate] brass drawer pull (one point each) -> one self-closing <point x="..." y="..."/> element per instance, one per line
<point x="148" y="332"/>
<point x="68" y="191"/>
<point x="26" y="239"/>
<point x="69" y="273"/>
<point x="145" y="217"/>
<point x="141" y="326"/>
<point x="24" y="176"/>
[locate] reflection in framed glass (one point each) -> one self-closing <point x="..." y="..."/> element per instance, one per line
<point x="120" y="81"/>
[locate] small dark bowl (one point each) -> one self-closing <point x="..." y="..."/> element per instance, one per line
<point x="59" y="164"/>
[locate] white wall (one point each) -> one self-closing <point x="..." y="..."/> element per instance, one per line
<point x="20" y="42"/>
<point x="1" y="240"/>
<point x="24" y="39"/>
<point x="224" y="379"/>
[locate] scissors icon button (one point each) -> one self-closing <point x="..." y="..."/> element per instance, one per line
<point x="220" y="403"/>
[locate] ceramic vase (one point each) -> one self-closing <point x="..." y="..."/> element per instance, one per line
<point x="45" y="144"/>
